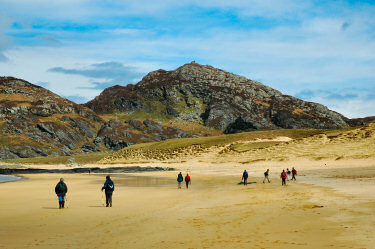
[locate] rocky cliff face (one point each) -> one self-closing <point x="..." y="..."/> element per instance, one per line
<point x="217" y="99"/>
<point x="37" y="122"/>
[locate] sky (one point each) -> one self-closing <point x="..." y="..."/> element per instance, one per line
<point x="320" y="51"/>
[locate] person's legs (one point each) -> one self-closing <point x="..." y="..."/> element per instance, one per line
<point x="60" y="201"/>
<point x="187" y="184"/>
<point x="179" y="184"/>
<point x="110" y="199"/>
<point x="294" y="177"/>
<point x="106" y="199"/>
<point x="245" y="181"/>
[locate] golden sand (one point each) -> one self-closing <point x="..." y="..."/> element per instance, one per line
<point x="327" y="208"/>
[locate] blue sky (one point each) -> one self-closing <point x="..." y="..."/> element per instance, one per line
<point x="321" y="51"/>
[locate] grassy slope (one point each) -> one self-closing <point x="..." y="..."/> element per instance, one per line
<point x="231" y="146"/>
<point x="177" y="148"/>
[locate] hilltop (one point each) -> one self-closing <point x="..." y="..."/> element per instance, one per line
<point x="216" y="99"/>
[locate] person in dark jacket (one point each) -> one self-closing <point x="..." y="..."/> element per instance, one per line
<point x="187" y="180"/>
<point x="294" y="173"/>
<point x="245" y="175"/>
<point x="109" y="187"/>
<point x="61" y="189"/>
<point x="266" y="174"/>
<point x="180" y="179"/>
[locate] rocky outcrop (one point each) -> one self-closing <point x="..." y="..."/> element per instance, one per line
<point x="215" y="98"/>
<point x="116" y="135"/>
<point x="37" y="122"/>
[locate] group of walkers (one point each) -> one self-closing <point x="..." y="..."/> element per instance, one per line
<point x="180" y="179"/>
<point x="61" y="189"/>
<point x="284" y="176"/>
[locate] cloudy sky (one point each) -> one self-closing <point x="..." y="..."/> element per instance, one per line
<point x="321" y="51"/>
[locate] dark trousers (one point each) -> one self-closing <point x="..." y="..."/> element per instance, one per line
<point x="187" y="184"/>
<point x="283" y="181"/>
<point x="294" y="177"/>
<point x="108" y="198"/>
<point x="245" y="181"/>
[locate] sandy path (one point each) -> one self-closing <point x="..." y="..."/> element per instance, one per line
<point x="215" y="213"/>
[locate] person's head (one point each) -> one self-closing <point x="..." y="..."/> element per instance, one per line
<point x="61" y="179"/>
<point x="283" y="170"/>
<point x="180" y="173"/>
<point x="287" y="168"/>
<point x="268" y="169"/>
<point x="108" y="177"/>
<point x="187" y="174"/>
<point x="293" y="168"/>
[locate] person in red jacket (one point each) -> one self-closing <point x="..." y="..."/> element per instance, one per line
<point x="283" y="177"/>
<point x="187" y="180"/>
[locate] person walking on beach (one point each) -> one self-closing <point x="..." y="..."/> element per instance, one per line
<point x="287" y="174"/>
<point x="294" y="173"/>
<point x="245" y="175"/>
<point x="109" y="187"/>
<point x="187" y="180"/>
<point x="61" y="189"/>
<point x="266" y="174"/>
<point x="283" y="177"/>
<point x="180" y="179"/>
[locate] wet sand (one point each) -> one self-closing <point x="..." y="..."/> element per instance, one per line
<point x="150" y="212"/>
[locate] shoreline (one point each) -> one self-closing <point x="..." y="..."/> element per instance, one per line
<point x="10" y="178"/>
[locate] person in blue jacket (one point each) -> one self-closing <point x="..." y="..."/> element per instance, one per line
<point x="245" y="175"/>
<point x="180" y="179"/>
<point x="109" y="187"/>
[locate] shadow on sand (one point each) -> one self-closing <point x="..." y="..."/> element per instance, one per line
<point x="50" y="207"/>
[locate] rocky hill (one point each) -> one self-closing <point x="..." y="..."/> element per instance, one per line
<point x="214" y="98"/>
<point x="37" y="122"/>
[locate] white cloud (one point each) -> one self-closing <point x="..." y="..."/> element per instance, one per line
<point x="322" y="48"/>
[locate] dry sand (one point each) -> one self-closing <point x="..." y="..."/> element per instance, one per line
<point x="328" y="207"/>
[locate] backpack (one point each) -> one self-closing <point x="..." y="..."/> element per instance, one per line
<point x="62" y="187"/>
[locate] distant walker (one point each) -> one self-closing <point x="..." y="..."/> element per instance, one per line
<point x="61" y="189"/>
<point x="109" y="187"/>
<point x="245" y="175"/>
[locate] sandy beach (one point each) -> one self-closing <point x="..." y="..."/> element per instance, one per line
<point x="325" y="208"/>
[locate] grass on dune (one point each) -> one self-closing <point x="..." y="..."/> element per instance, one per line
<point x="207" y="142"/>
<point x="243" y="147"/>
